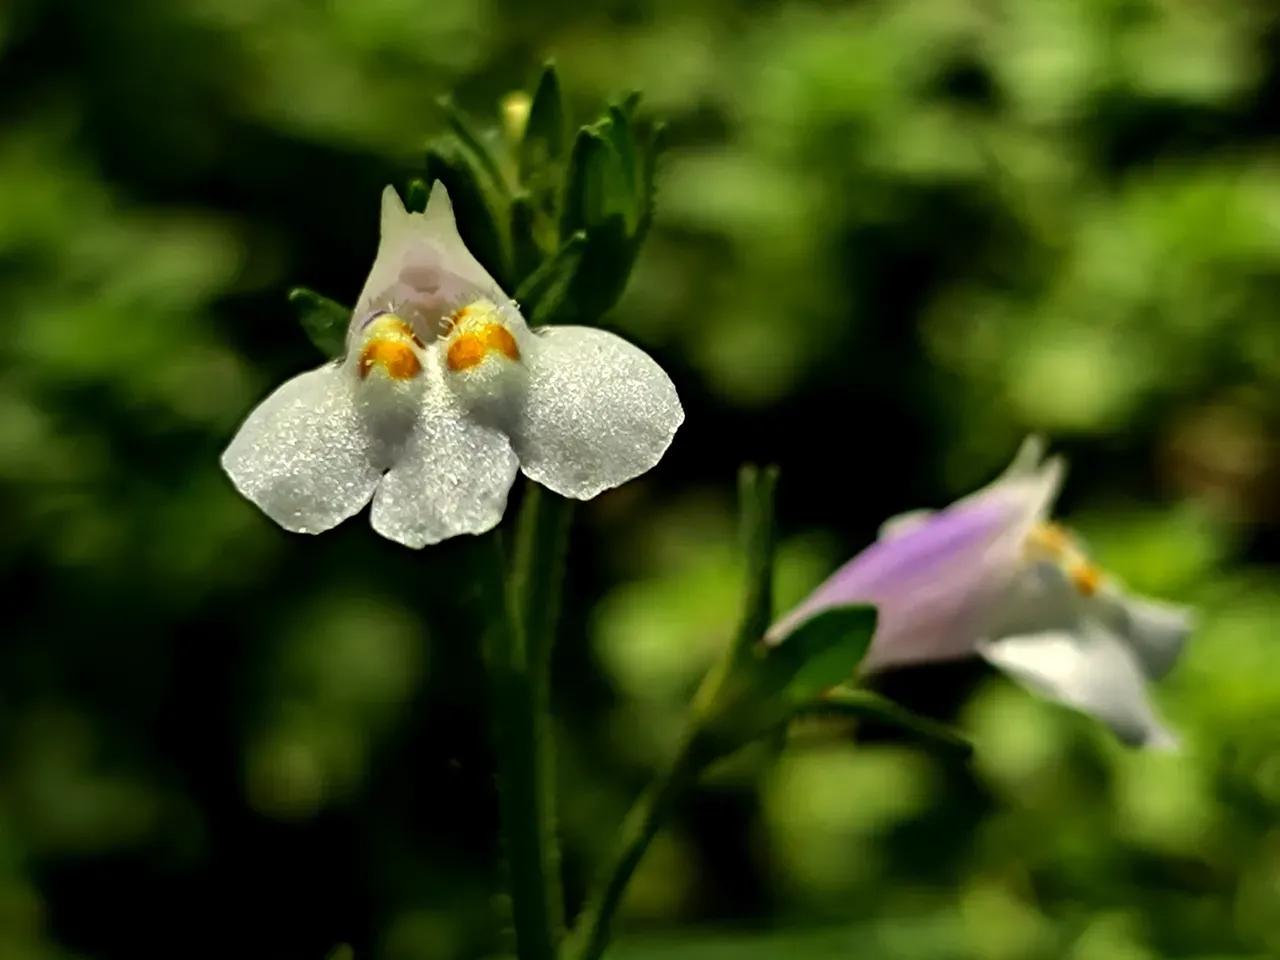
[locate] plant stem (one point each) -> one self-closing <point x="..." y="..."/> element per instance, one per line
<point x="537" y="575"/>
<point x="703" y="740"/>
<point x="523" y="617"/>
<point x="590" y="936"/>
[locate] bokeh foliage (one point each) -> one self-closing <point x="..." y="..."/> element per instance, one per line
<point x="891" y="237"/>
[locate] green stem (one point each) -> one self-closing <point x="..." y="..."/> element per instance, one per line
<point x="523" y="617"/>
<point x="537" y="575"/>
<point x="703" y="741"/>
<point x="591" y="934"/>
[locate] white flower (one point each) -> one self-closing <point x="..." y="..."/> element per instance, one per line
<point x="444" y="393"/>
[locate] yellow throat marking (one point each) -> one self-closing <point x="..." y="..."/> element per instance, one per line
<point x="1053" y="542"/>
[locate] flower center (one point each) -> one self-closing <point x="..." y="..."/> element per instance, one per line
<point x="476" y="331"/>
<point x="1049" y="541"/>
<point x="389" y="346"/>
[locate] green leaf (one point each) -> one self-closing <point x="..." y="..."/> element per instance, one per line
<point x="602" y="277"/>
<point x="652" y="148"/>
<point x="342" y="951"/>
<point x="821" y="653"/>
<point x="472" y="143"/>
<point x="325" y="321"/>
<point x="868" y="705"/>
<point x="525" y="252"/>
<point x="544" y="133"/>
<point x="592" y="170"/>
<point x="618" y="129"/>
<point x="544" y="291"/>
<point x="630" y="102"/>
<point x="608" y="192"/>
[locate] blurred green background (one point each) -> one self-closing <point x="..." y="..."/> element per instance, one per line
<point x="892" y="237"/>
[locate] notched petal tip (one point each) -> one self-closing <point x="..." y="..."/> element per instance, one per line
<point x="1157" y="630"/>
<point x="1029" y="456"/>
<point x="1031" y="467"/>
<point x="422" y="266"/>
<point x="439" y="206"/>
<point x="452" y="477"/>
<point x="394" y="214"/>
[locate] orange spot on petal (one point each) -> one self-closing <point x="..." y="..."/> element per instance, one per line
<point x="470" y="348"/>
<point x="394" y="356"/>
<point x="1086" y="578"/>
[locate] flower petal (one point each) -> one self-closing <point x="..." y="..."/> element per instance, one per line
<point x="902" y="523"/>
<point x="423" y="269"/>
<point x="452" y="477"/>
<point x="1156" y="630"/>
<point x="1091" y="670"/>
<point x="305" y="455"/>
<point x="1045" y="598"/>
<point x="597" y="413"/>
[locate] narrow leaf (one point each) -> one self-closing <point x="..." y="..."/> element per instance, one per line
<point x="653" y="147"/>
<point x="822" y="652"/>
<point x="526" y="251"/>
<point x="630" y="102"/>
<point x="323" y="320"/>
<point x="585" y="183"/>
<point x="544" y="133"/>
<point x="622" y="137"/>
<point x="867" y="705"/>
<point x="544" y="291"/>
<point x="474" y="144"/>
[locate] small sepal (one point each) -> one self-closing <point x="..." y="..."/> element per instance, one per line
<point x="323" y="320"/>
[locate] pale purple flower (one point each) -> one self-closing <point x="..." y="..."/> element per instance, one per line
<point x="990" y="576"/>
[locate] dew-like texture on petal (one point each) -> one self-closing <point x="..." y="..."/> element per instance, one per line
<point x="1091" y="670"/>
<point x="597" y="413"/>
<point x="304" y="455"/>
<point x="452" y="477"/>
<point x="938" y="579"/>
<point x="423" y="270"/>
